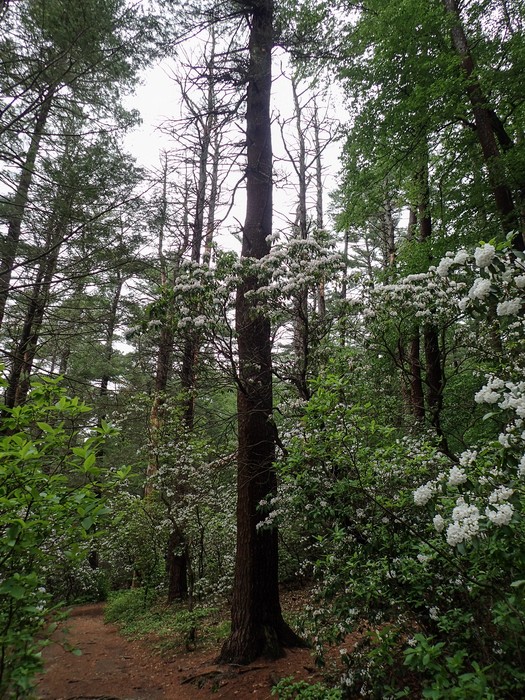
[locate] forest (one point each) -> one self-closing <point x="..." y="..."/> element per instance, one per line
<point x="290" y="355"/>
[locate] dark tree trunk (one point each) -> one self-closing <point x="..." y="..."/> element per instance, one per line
<point x="488" y="128"/>
<point x="177" y="566"/>
<point x="258" y="627"/>
<point x="434" y="377"/>
<point x="417" y="396"/>
<point x="24" y="354"/>
<point x="19" y="203"/>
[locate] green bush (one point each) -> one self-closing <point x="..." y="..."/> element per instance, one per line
<point x="51" y="497"/>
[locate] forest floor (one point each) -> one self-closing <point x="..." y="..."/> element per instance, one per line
<point x="111" y="667"/>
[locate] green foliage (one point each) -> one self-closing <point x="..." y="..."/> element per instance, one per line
<point x="452" y="676"/>
<point x="290" y="689"/>
<point x="51" y="502"/>
<point x="143" y="614"/>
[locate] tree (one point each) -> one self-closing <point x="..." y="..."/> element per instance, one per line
<point x="58" y="58"/>
<point x="258" y="627"/>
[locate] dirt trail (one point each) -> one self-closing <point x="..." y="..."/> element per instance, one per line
<point x="112" y="668"/>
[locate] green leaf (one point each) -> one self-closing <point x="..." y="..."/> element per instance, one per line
<point x="45" y="427"/>
<point x="90" y="461"/>
<point x="12" y="534"/>
<point x="87" y="522"/>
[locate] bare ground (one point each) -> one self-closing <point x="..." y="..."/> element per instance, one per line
<point x="113" y="668"/>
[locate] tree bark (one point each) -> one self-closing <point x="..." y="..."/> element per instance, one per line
<point x="24" y="354"/>
<point x="487" y="124"/>
<point x="258" y="627"/>
<point x="434" y="378"/>
<point x="417" y="396"/>
<point x="19" y="204"/>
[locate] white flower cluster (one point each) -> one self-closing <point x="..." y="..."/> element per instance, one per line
<point x="489" y="393"/>
<point x="510" y="307"/>
<point x="456" y="476"/>
<point x="465" y="523"/>
<point x="484" y="255"/>
<point x="480" y="289"/>
<point x="439" y="522"/>
<point x="424" y="493"/>
<point x="488" y="495"/>
<point x="502" y="515"/>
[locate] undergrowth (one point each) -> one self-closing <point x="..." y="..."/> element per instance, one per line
<point x="170" y="628"/>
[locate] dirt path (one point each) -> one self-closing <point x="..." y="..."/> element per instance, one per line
<point x="112" y="668"/>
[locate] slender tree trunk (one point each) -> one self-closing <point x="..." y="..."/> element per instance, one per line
<point x="486" y="126"/>
<point x="24" y="354"/>
<point x="213" y="198"/>
<point x="319" y="211"/>
<point x="389" y="234"/>
<point x="258" y="628"/>
<point x="434" y="377"/>
<point x="164" y="355"/>
<point x="177" y="565"/>
<point x="93" y="557"/>
<point x="344" y="285"/>
<point x="110" y="334"/>
<point x="19" y="203"/>
<point x="301" y="321"/>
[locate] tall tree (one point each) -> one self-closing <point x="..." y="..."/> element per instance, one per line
<point x="60" y="57"/>
<point x="489" y="128"/>
<point x="258" y="627"/>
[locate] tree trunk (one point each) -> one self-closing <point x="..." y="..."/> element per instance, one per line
<point x="434" y="377"/>
<point x="319" y="203"/>
<point x="24" y="354"/>
<point x="165" y="351"/>
<point x="486" y="126"/>
<point x="177" y="565"/>
<point x="417" y="396"/>
<point x="389" y="234"/>
<point x="19" y="204"/>
<point x="301" y="321"/>
<point x="258" y="628"/>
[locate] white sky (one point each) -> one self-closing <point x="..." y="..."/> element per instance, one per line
<point x="157" y="100"/>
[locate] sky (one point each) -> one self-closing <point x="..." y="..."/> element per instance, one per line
<point x="158" y="100"/>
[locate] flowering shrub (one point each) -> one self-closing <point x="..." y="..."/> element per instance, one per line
<point x="417" y="550"/>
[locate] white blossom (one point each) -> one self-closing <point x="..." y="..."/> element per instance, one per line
<point x="423" y="494"/>
<point x="501" y="494"/>
<point x="439" y="523"/>
<point x="480" y="289"/>
<point x="519" y="281"/>
<point x="456" y="476"/>
<point x="484" y="255"/>
<point x="465" y="523"/>
<point x="502" y="515"/>
<point x="444" y="266"/>
<point x="467" y="457"/>
<point x="461" y="257"/>
<point x="486" y="395"/>
<point x="508" y="308"/>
